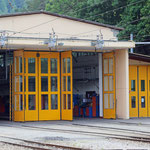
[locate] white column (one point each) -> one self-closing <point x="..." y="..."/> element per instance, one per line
<point x="100" y="85"/>
<point x="122" y="84"/>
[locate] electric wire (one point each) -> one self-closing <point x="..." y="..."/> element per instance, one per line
<point x="83" y="8"/>
<point x="117" y="8"/>
<point x="49" y="21"/>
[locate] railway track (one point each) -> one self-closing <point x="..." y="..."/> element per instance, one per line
<point x="138" y="136"/>
<point x="35" y="145"/>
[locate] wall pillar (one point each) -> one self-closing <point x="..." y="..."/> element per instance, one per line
<point x="122" y="84"/>
<point x="100" y="84"/>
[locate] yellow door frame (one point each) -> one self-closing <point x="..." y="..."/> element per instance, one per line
<point x="18" y="86"/>
<point x="148" y="91"/>
<point x="109" y="105"/>
<point x="66" y="86"/>
<point x="31" y="97"/>
<point x="143" y="103"/>
<point x="53" y="110"/>
<point x="133" y="92"/>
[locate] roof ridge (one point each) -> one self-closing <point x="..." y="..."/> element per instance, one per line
<point x="63" y="16"/>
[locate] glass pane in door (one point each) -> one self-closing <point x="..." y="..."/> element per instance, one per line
<point x="111" y="101"/>
<point x="69" y="101"/>
<point x="31" y="84"/>
<point x="68" y="83"/>
<point x="133" y="101"/>
<point x="44" y="102"/>
<point x="31" y="65"/>
<point x="105" y="66"/>
<point x="105" y="83"/>
<point x="132" y="85"/>
<point x="54" y="84"/>
<point x="44" y="65"/>
<point x="68" y="65"/>
<point x="44" y="84"/>
<point x="54" y="65"/>
<point x="54" y="101"/>
<point x="106" y="101"/>
<point x="142" y="85"/>
<point x="110" y="65"/>
<point x="111" y="85"/>
<point x="143" y="101"/>
<point x="31" y="102"/>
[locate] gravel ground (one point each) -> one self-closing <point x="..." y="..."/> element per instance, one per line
<point x="75" y="140"/>
<point x="10" y="147"/>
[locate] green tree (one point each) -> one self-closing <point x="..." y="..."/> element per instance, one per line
<point x="136" y="19"/>
<point x="3" y="7"/>
<point x="35" y="5"/>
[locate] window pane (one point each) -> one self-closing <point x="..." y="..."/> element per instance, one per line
<point x="105" y="66"/>
<point x="105" y="83"/>
<point x="68" y="83"/>
<point x="44" y="83"/>
<point x="142" y="85"/>
<point x="110" y="65"/>
<point x="31" y="102"/>
<point x="106" y="101"/>
<point x="111" y="101"/>
<point x="24" y="65"/>
<point x="18" y="83"/>
<point x="133" y="101"/>
<point x="53" y="65"/>
<point x="143" y="101"/>
<point x="15" y="64"/>
<point x="25" y="102"/>
<point x="20" y="64"/>
<point x="31" y="84"/>
<point x="18" y="102"/>
<point x="68" y="65"/>
<point x="44" y="102"/>
<point x="69" y="101"/>
<point x="132" y="85"/>
<point x="64" y="83"/>
<point x="53" y="83"/>
<point x="25" y="83"/>
<point x="44" y="65"/>
<point x="64" y="65"/>
<point x="54" y="101"/>
<point x="64" y="101"/>
<point x="111" y="88"/>
<point x="31" y="65"/>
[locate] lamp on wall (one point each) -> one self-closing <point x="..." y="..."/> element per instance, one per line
<point x="2" y="39"/>
<point x="100" y="41"/>
<point x="52" y="40"/>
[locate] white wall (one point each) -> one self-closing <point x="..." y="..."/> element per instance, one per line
<point x="40" y="25"/>
<point x="122" y="84"/>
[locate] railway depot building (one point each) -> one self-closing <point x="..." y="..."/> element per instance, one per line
<point x="55" y="67"/>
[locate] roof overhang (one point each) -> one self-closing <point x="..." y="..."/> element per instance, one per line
<point x="65" y="44"/>
<point x="139" y="57"/>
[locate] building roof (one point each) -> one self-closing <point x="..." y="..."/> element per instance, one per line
<point x="62" y="16"/>
<point x="140" y="57"/>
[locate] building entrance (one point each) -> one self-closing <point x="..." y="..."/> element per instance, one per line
<point x="37" y="86"/>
